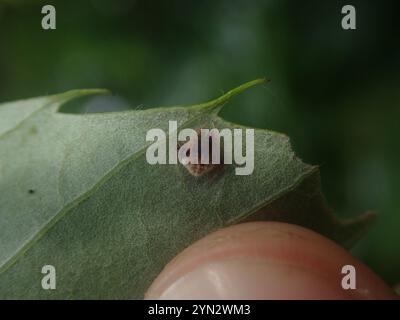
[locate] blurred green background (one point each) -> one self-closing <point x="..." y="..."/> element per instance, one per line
<point x="334" y="92"/>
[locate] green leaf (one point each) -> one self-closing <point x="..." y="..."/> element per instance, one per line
<point x="76" y="192"/>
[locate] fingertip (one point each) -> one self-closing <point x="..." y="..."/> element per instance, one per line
<point x="265" y="260"/>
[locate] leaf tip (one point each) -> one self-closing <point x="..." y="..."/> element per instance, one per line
<point x="218" y="103"/>
<point x="350" y="231"/>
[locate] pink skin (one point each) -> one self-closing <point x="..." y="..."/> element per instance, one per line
<point x="265" y="260"/>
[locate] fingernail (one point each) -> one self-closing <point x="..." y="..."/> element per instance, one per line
<point x="250" y="278"/>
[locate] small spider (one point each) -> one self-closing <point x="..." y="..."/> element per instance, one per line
<point x="199" y="169"/>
